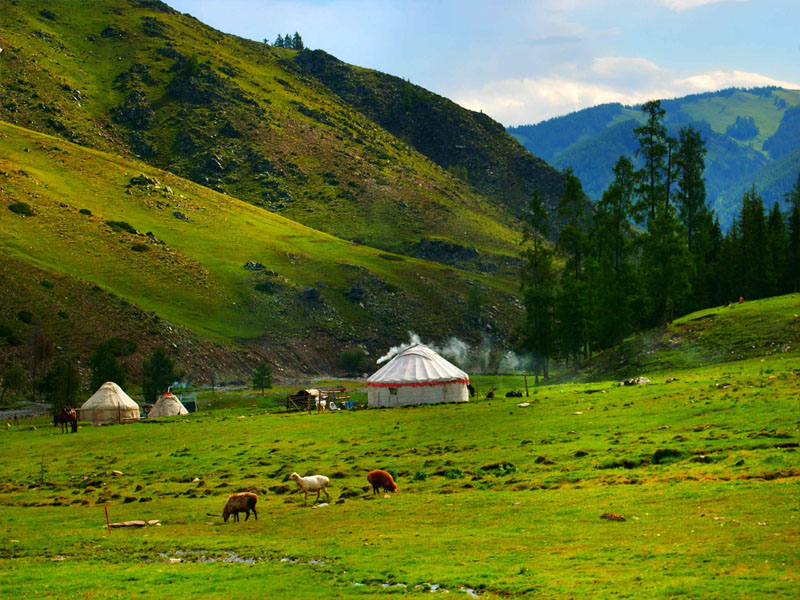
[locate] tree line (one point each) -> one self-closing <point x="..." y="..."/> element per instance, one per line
<point x="650" y="250"/>
<point x="293" y="42"/>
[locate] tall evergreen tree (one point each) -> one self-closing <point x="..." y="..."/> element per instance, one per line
<point x="653" y="148"/>
<point x="667" y="264"/>
<point x="753" y="248"/>
<point x="297" y="42"/>
<point x="776" y="253"/>
<point x="691" y="196"/>
<point x="538" y="282"/>
<point x="573" y="303"/>
<point x="158" y="373"/>
<point x="61" y="384"/>
<point x="793" y="241"/>
<point x="610" y="275"/>
<point x="278" y="41"/>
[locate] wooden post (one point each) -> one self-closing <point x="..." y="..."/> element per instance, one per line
<point x="526" y="386"/>
<point x="108" y="523"/>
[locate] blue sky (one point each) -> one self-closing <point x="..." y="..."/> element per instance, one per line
<point x="525" y="61"/>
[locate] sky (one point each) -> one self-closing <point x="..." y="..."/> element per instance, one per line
<point x="522" y="62"/>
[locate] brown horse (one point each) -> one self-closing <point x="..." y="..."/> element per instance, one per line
<point x="66" y="416"/>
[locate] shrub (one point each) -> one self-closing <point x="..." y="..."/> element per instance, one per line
<point x="121" y="226"/>
<point x="355" y="361"/>
<point x="21" y="208"/>
<point x="663" y="455"/>
<point x="453" y="473"/>
<point x="63" y="315"/>
<point x="420" y="476"/>
<point x="140" y="248"/>
<point x="46" y="284"/>
<point x="85" y="211"/>
<point x="13" y="340"/>
<point x="5" y="331"/>
<point x="25" y="316"/>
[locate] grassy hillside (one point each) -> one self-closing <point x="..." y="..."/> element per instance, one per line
<point x="243" y="118"/>
<point x="468" y="144"/>
<point x="495" y="500"/>
<point x="179" y="250"/>
<point x="759" y="328"/>
<point x="749" y="134"/>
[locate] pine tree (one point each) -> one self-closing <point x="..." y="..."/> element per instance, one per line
<point x="262" y="377"/>
<point x="667" y="264"/>
<point x="653" y="148"/>
<point x="61" y="384"/>
<point x="611" y="274"/>
<point x="158" y="373"/>
<point x="297" y="42"/>
<point x="691" y="196"/>
<point x="776" y="253"/>
<point x="753" y="249"/>
<point x="793" y="241"/>
<point x="279" y="41"/>
<point x="538" y="286"/>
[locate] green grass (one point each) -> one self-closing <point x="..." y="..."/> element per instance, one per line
<point x="706" y="476"/>
<point x="760" y="328"/>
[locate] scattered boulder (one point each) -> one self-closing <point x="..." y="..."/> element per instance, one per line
<point x="356" y="294"/>
<point x="179" y="215"/>
<point x="634" y="381"/>
<point x="130" y="524"/>
<point x="254" y="266"/>
<point x="145" y="182"/>
<point x="310" y="294"/>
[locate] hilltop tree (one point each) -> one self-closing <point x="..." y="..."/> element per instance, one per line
<point x="158" y="373"/>
<point x="262" y="377"/>
<point x="279" y="41"/>
<point x="297" y="42"/>
<point x="538" y="283"/>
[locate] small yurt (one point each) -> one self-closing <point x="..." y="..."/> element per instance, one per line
<point x="109" y="404"/>
<point x="167" y="405"/>
<point x="417" y="375"/>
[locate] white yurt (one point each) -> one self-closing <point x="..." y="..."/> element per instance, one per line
<point x="417" y="375"/>
<point x="109" y="404"/>
<point x="167" y="405"/>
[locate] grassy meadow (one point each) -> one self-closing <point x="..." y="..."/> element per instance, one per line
<point x="495" y="500"/>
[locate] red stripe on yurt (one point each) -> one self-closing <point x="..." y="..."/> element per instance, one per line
<point x="419" y="384"/>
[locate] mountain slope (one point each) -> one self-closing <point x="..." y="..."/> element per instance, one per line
<point x="748" y="132"/>
<point x="243" y="118"/>
<point x="223" y="269"/>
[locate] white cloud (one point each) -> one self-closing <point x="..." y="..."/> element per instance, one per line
<point x="681" y="5"/>
<point x="627" y="80"/>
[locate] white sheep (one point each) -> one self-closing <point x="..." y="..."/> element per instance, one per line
<point x="312" y="483"/>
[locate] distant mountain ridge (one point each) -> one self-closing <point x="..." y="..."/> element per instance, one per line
<point x="752" y="136"/>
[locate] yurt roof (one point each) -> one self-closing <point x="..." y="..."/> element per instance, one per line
<point x="417" y="365"/>
<point x="110" y="395"/>
<point x="168" y="405"/>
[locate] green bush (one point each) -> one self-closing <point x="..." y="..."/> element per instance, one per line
<point x="46" y="284"/>
<point x="140" y="248"/>
<point x="121" y="226"/>
<point x="63" y="315"/>
<point x="85" y="211"/>
<point x="25" y="316"/>
<point x="420" y="476"/>
<point x="5" y="331"/>
<point x="355" y="361"/>
<point x="21" y="208"/>
<point x="13" y="340"/>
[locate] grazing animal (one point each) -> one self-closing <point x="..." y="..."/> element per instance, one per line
<point x="381" y="479"/>
<point x="312" y="483"/>
<point x="243" y="502"/>
<point x="66" y="416"/>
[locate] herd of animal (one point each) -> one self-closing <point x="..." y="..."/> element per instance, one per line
<point x="246" y="501"/>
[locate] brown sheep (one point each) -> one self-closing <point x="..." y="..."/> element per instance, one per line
<point x="381" y="479"/>
<point x="244" y="502"/>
